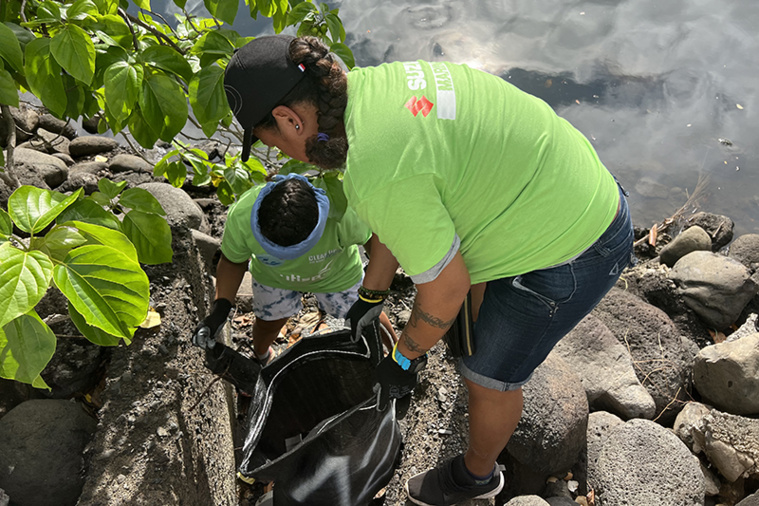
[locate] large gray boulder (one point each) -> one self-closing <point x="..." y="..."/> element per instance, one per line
<point x="551" y="433"/>
<point x="727" y="375"/>
<point x="691" y="239"/>
<point x="661" y="358"/>
<point x="91" y="145"/>
<point x="527" y="500"/>
<point x="745" y="249"/>
<point x="53" y="170"/>
<point x="642" y="462"/>
<point x="600" y="425"/>
<point x="716" y="287"/>
<point x="606" y="370"/>
<point x="41" y="447"/>
<point x="181" y="210"/>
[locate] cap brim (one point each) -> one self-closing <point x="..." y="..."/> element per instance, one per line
<point x="248" y="139"/>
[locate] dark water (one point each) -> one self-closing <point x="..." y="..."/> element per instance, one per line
<point x="665" y="90"/>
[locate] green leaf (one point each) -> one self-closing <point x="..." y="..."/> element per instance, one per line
<point x="225" y="193"/>
<point x="141" y="130"/>
<point x="215" y="44"/>
<point x="101" y="199"/>
<point x="267" y="7"/>
<point x="151" y="235"/>
<point x="238" y="179"/>
<point x="143" y="4"/>
<point x="24" y="279"/>
<point x="94" y="334"/>
<point x="344" y="53"/>
<point x="59" y="241"/>
<point x="81" y="10"/>
<point x="43" y="74"/>
<point x="48" y="12"/>
<point x="164" y="105"/>
<point x="111" y="189"/>
<point x="140" y="199"/>
<point x="225" y="10"/>
<point x="106" y="287"/>
<point x="159" y="169"/>
<point x="180" y="3"/>
<point x="8" y="91"/>
<point x="176" y="173"/>
<point x="294" y="166"/>
<point x="74" y="51"/>
<point x="279" y="21"/>
<point x="107" y="6"/>
<point x="76" y="95"/>
<point x="103" y="236"/>
<point x="168" y="59"/>
<point x="26" y="346"/>
<point x="10" y="49"/>
<point x="335" y="27"/>
<point x="207" y="96"/>
<point x="33" y="209"/>
<point x="111" y="29"/>
<point x="6" y="225"/>
<point x="88" y="211"/>
<point x="122" y="88"/>
<point x="299" y="12"/>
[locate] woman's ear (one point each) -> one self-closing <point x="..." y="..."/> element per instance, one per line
<point x="287" y="119"/>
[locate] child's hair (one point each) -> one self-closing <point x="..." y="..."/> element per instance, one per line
<point x="289" y="213"/>
<point x="325" y="85"/>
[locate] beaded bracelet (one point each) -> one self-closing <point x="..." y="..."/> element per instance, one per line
<point x="373" y="294"/>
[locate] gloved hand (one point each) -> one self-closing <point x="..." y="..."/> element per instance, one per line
<point x="205" y="333"/>
<point x="392" y="382"/>
<point x="363" y="312"/>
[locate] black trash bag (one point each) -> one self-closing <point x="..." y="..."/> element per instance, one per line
<point x="313" y="424"/>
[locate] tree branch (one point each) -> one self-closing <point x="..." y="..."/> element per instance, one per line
<point x="9" y="176"/>
<point x="155" y="32"/>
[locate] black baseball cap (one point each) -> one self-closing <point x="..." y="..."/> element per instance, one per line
<point x="257" y="77"/>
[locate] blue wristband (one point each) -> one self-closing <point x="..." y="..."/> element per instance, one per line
<point x="402" y="361"/>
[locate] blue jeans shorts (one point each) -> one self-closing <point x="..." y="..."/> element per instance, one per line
<point x="523" y="317"/>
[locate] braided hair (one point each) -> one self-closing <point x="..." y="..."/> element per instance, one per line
<point x="289" y="213"/>
<point x="325" y="85"/>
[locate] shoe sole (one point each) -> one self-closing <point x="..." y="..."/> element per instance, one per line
<point x="486" y="495"/>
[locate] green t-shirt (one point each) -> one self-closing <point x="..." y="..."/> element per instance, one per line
<point x="332" y="265"/>
<point x="438" y="149"/>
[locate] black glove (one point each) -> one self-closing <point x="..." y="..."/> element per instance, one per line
<point x="363" y="312"/>
<point x="392" y="382"/>
<point x="205" y="333"/>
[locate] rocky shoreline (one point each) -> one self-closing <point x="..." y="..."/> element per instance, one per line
<point x="652" y="399"/>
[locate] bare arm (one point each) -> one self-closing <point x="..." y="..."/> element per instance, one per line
<point x="382" y="265"/>
<point x="435" y="308"/>
<point x="228" y="278"/>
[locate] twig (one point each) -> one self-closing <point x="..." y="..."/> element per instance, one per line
<point x="203" y="394"/>
<point x="134" y="150"/>
<point x="135" y="42"/>
<point x="703" y="181"/>
<point x="9" y="175"/>
<point x="155" y="32"/>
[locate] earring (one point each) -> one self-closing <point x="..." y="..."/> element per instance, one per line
<point x="297" y="127"/>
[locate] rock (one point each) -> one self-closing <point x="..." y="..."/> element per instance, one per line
<point x="600" y="424"/>
<point x="551" y="433"/>
<point x="711" y="481"/>
<point x="749" y="327"/>
<point x="660" y="356"/>
<point x="752" y="500"/>
<point x="57" y="126"/>
<point x="641" y="462"/>
<point x="50" y="168"/>
<point x="91" y="145"/>
<point x="73" y="367"/>
<point x="90" y="125"/>
<point x="52" y="142"/>
<point x="727" y="375"/>
<point x="714" y="286"/>
<point x="65" y="158"/>
<point x="81" y="179"/>
<point x="745" y="249"/>
<point x="41" y="446"/>
<point x="606" y="370"/>
<point x="560" y="501"/>
<point x="181" y="210"/>
<point x="688" y="425"/>
<point x="4" y="499"/>
<point x="719" y="228"/>
<point x="95" y="168"/>
<point x="123" y="163"/>
<point x="691" y="239"/>
<point x="527" y="500"/>
<point x="731" y="443"/>
<point x="26" y="120"/>
<point x="208" y="247"/>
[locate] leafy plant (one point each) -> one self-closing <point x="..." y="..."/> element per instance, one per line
<point x="74" y="243"/>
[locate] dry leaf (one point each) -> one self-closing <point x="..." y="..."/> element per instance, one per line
<point x="153" y="319"/>
<point x="652" y="235"/>
<point x="717" y="336"/>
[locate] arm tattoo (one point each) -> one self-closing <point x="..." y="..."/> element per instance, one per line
<point x="417" y="316"/>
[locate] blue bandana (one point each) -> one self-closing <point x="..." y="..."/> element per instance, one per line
<point x="296" y="250"/>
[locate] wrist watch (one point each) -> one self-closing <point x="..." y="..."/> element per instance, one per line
<point x="413" y="366"/>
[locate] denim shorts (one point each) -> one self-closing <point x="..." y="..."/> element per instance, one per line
<point x="276" y="303"/>
<point x="523" y="317"/>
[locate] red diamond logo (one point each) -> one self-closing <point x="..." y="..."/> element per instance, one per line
<point x="422" y="105"/>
